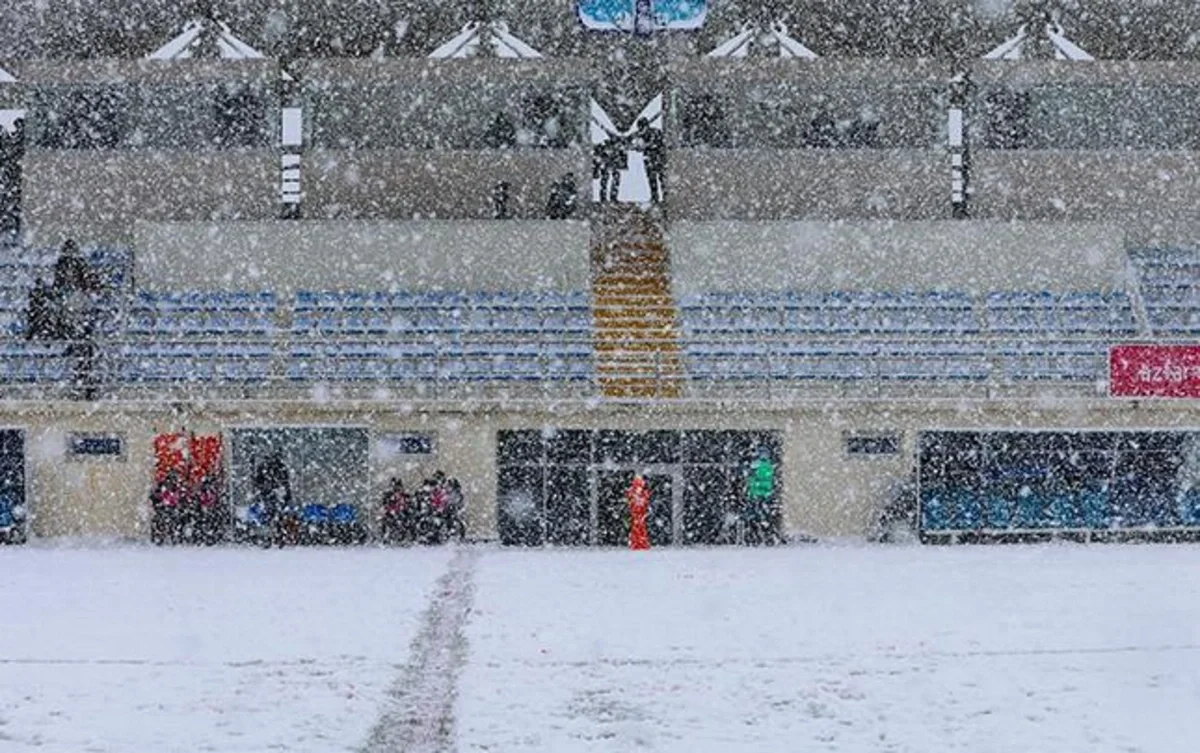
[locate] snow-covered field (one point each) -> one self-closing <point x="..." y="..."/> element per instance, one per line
<point x="156" y="650"/>
<point x="834" y="648"/>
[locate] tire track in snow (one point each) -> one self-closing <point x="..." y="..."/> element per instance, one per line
<point x="418" y="713"/>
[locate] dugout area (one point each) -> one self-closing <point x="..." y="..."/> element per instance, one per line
<point x="1031" y="485"/>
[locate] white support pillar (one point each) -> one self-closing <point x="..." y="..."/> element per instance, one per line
<point x="291" y="139"/>
<point x="958" y="148"/>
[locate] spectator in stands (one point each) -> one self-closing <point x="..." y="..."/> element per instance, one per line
<point x="863" y="131"/>
<point x="501" y="133"/>
<point x="654" y="150"/>
<point x="821" y="132"/>
<point x="71" y="271"/>
<point x="74" y="306"/>
<point x="500" y="196"/>
<point x="40" y="324"/>
<point x="563" y="197"/>
<point x="608" y="160"/>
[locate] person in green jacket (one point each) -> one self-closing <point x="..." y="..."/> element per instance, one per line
<point x="760" y="499"/>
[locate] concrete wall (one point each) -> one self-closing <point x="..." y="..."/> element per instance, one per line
<point x="973" y="256"/>
<point x="826" y="492"/>
<point x="1153" y="195"/>
<point x="286" y="256"/>
<point x="96" y="196"/>
<point x="842" y="184"/>
<point x="393" y="184"/>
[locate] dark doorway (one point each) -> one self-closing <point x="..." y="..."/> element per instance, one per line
<point x="12" y="485"/>
<point x="568" y="486"/>
<point x="324" y="466"/>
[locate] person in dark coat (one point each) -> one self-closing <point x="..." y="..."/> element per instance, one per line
<point x="457" y="509"/>
<point x="611" y="159"/>
<point x="273" y="489"/>
<point x="500" y="198"/>
<point x="654" y="150"/>
<point x="210" y="517"/>
<point x="75" y="313"/>
<point x="822" y="132"/>
<point x="563" y="197"/>
<point x="167" y="510"/>
<point x="397" y="518"/>
<point x="71" y="271"/>
<point x="39" y="324"/>
<point x="501" y="133"/>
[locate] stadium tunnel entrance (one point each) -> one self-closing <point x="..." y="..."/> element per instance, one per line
<point x="12" y="486"/>
<point x="566" y="487"/>
<point x="1031" y="485"/>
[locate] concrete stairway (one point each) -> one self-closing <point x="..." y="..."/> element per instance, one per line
<point x="636" y="329"/>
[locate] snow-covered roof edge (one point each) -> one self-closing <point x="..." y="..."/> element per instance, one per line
<point x="229" y="47"/>
<point x="504" y="43"/>
<point x="739" y="45"/>
<point x="1013" y="48"/>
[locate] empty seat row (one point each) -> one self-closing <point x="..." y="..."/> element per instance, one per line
<point x="206" y="300"/>
<point x="202" y="314"/>
<point x="313" y="300"/>
<point x="423" y="368"/>
<point x="422" y="320"/>
<point x="153" y="362"/>
<point x="832" y="312"/>
<point x="1084" y="312"/>
<point x="1010" y="361"/>
<point x="334" y="313"/>
<point x="1170" y="284"/>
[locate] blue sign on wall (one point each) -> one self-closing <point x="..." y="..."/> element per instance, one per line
<point x="96" y="445"/>
<point x="642" y="16"/>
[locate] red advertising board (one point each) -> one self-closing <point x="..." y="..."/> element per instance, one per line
<point x="1154" y="371"/>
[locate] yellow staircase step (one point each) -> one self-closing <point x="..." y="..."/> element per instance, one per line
<point x="636" y="332"/>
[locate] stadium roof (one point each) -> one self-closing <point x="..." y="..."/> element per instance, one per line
<point x="776" y="35"/>
<point x="1021" y="46"/>
<point x="205" y="39"/>
<point x="470" y="42"/>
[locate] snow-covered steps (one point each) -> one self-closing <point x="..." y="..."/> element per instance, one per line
<point x="636" y="319"/>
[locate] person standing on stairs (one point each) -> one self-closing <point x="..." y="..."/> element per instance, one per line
<point x="610" y="159"/>
<point x="654" y="150"/>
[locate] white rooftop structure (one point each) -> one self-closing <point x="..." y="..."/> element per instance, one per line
<point x="776" y="35"/>
<point x="476" y="36"/>
<point x="1052" y="37"/>
<point x="197" y="35"/>
<point x="6" y="77"/>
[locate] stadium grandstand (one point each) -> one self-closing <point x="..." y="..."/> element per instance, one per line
<point x="958" y="288"/>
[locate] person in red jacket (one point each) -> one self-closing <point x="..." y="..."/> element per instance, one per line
<point x="639" y="508"/>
